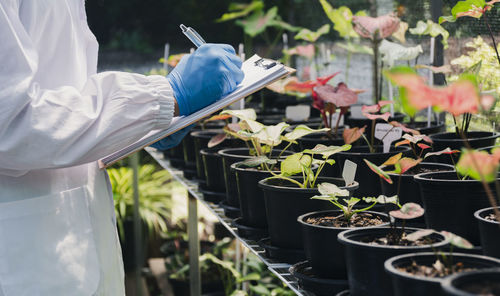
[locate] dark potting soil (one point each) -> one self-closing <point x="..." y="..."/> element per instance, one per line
<point x="357" y="220"/>
<point x="437" y="270"/>
<point x="483" y="288"/>
<point x="491" y="217"/>
<point x="395" y="238"/>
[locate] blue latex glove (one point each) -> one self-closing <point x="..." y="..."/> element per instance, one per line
<point x="203" y="77"/>
<point x="172" y="140"/>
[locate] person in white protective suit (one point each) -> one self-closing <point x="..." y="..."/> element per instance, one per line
<point x="57" y="118"/>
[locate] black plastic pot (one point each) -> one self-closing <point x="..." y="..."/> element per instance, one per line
<point x="360" y="122"/>
<point x="344" y="293"/>
<point x="309" y="281"/>
<point x="406" y="284"/>
<point x="182" y="288"/>
<point x="175" y="155"/>
<point x="450" y="203"/>
<point x="365" y="260"/>
<point x="201" y="139"/>
<point x="214" y="170"/>
<point x="253" y="209"/>
<point x="461" y="283"/>
<point x="285" y="202"/>
<point x="322" y="247"/>
<point x="476" y="139"/>
<point x="369" y="182"/>
<point x="421" y="126"/>
<point x="189" y="154"/>
<point x="489" y="232"/>
<point x="230" y="156"/>
<point x="409" y="190"/>
<point x="286" y="255"/>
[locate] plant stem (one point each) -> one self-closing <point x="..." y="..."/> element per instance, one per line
<point x="491" y="35"/>
<point x="337" y="124"/>
<point x="284" y="149"/>
<point x="375" y="44"/>
<point x="372" y="140"/>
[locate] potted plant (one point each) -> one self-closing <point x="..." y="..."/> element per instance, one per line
<point x="287" y="197"/>
<point x="369" y="186"/>
<point x="477" y="282"/>
<point x="320" y="229"/>
<point x="264" y="142"/>
<point x="418" y="273"/>
<point x="366" y="249"/>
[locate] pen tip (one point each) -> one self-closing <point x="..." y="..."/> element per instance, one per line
<point x="183" y="28"/>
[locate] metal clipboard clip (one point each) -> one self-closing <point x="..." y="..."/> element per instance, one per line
<point x="265" y="63"/>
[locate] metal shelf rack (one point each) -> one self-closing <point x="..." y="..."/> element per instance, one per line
<point x="280" y="269"/>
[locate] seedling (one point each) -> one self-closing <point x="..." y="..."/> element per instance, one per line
<point x="304" y="163"/>
<point x="334" y="194"/>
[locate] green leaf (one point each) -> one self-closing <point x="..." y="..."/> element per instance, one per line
<point x="432" y="29"/>
<point x="260" y="289"/>
<point x="250" y="277"/>
<point x="327" y="151"/>
<point x="239" y="10"/>
<point x="310" y="36"/>
<point x="471" y="8"/>
<point x="332" y="190"/>
<point x="341" y="19"/>
<point x="270" y="135"/>
<point x="392" y="52"/>
<point x="293" y="164"/>
<point x="300" y="131"/>
<point x="278" y="23"/>
<point x="382" y="199"/>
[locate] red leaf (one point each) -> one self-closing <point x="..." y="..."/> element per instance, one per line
<point x="423" y="146"/>
<point x="324" y="79"/>
<point x="340" y="96"/>
<point x="351" y="135"/>
<point x="370" y="109"/>
<point x="404" y="142"/>
<point x="301" y="87"/>
<point x="218" y="117"/>
<point x="444" y="151"/>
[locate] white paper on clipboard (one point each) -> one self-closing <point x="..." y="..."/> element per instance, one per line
<point x="258" y="73"/>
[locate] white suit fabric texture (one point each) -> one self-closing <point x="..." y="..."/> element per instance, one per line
<point x="57" y="118"/>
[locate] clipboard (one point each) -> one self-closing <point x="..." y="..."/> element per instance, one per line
<point x="259" y="72"/>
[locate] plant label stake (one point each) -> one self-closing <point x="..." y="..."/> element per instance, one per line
<point x="349" y="172"/>
<point x="356" y="111"/>
<point x="298" y="113"/>
<point x="166" y="53"/>
<point x="387" y="134"/>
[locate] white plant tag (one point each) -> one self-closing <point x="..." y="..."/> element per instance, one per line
<point x="349" y="171"/>
<point x="356" y="111"/>
<point x="387" y="134"/>
<point x="298" y="113"/>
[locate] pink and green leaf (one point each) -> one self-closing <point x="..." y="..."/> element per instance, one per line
<point x="408" y="211"/>
<point x="405" y="164"/>
<point x="378" y="170"/>
<point x="216" y="140"/>
<point x="447" y="151"/>
<point x="351" y="135"/>
<point x="478" y="165"/>
<point x="457" y="241"/>
<point x="393" y="159"/>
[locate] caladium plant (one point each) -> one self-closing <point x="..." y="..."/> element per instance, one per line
<point x="262" y="139"/>
<point x="333" y="194"/>
<point x="305" y="162"/>
<point x="376" y="29"/>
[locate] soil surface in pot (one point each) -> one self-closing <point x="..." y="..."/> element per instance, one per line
<point x="357" y="220"/>
<point x="419" y="169"/>
<point x="394" y="238"/>
<point x="482" y="287"/>
<point x="437" y="270"/>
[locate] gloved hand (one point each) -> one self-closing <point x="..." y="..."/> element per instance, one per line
<point x="172" y="140"/>
<point x="203" y="77"/>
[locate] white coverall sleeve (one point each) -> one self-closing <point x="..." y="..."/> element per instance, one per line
<point x="50" y="128"/>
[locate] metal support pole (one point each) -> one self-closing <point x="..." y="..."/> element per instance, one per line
<point x="194" y="247"/>
<point x="134" y="161"/>
<point x="436" y="12"/>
